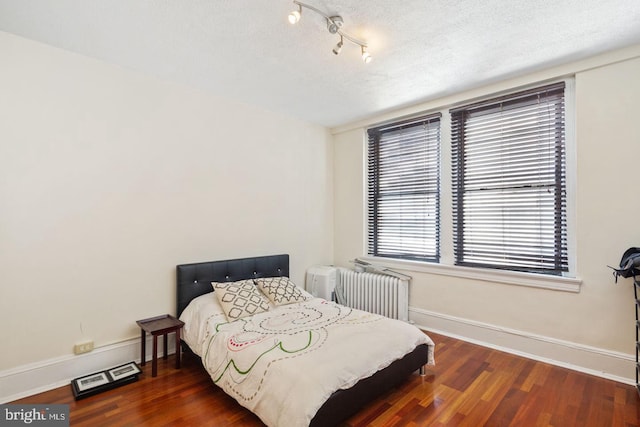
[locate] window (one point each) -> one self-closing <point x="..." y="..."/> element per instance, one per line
<point x="404" y="189"/>
<point x="509" y="182"/>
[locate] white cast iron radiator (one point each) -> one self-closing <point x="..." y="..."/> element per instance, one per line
<point x="375" y="293"/>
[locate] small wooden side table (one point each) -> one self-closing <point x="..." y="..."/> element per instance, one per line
<point x="160" y="325"/>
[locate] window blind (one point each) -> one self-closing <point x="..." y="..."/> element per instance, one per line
<point x="403" y="189"/>
<point x="509" y="182"/>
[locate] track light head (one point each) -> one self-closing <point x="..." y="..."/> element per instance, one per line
<point x="294" y="16"/>
<point x="366" y="56"/>
<point x="338" y="48"/>
<point x="334" y="23"/>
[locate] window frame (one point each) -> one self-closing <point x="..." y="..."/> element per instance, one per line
<point x="568" y="282"/>
<point x="375" y="214"/>
<point x="510" y="130"/>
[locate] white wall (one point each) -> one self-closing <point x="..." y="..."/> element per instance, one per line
<point x="109" y="178"/>
<point x="600" y="318"/>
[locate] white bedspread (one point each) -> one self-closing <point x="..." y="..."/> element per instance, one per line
<point x="285" y="363"/>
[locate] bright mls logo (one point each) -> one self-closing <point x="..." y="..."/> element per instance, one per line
<point x="34" y="415"/>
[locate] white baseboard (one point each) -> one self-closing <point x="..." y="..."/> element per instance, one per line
<point x="35" y="378"/>
<point x="603" y="363"/>
<point x="38" y="377"/>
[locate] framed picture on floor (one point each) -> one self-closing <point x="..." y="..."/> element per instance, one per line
<point x="91" y="381"/>
<point x="124" y="371"/>
<point x="98" y="382"/>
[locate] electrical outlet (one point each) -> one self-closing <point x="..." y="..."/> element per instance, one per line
<point x="83" y="347"/>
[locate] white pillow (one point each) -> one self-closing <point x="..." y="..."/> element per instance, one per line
<point x="240" y="299"/>
<point x="281" y="290"/>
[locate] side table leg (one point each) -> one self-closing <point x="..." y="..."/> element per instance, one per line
<point x="178" y="348"/>
<point x="143" y="346"/>
<point x="154" y="364"/>
<point x="164" y="346"/>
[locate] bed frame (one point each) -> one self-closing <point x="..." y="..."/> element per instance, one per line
<point x="195" y="279"/>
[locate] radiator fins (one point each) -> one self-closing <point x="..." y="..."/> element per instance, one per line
<point x="375" y="293"/>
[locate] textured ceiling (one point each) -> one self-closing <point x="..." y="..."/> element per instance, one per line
<point x="247" y="51"/>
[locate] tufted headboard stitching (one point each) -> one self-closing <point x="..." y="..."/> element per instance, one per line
<point x="195" y="279"/>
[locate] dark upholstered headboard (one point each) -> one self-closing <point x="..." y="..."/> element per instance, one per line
<point x="195" y="279"/>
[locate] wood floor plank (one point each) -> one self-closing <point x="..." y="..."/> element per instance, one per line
<point x="470" y="386"/>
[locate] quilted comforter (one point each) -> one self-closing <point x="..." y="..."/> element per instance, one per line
<point x="283" y="364"/>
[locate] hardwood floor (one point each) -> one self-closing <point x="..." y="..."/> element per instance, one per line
<point x="469" y="386"/>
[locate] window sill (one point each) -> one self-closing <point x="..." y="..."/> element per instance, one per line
<point x="556" y="283"/>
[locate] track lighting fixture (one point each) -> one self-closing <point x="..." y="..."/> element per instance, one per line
<point x="334" y="25"/>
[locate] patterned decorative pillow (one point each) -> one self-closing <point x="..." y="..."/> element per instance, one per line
<point x="281" y="290"/>
<point x="240" y="299"/>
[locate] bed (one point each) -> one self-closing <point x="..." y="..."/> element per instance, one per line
<point x="291" y="343"/>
